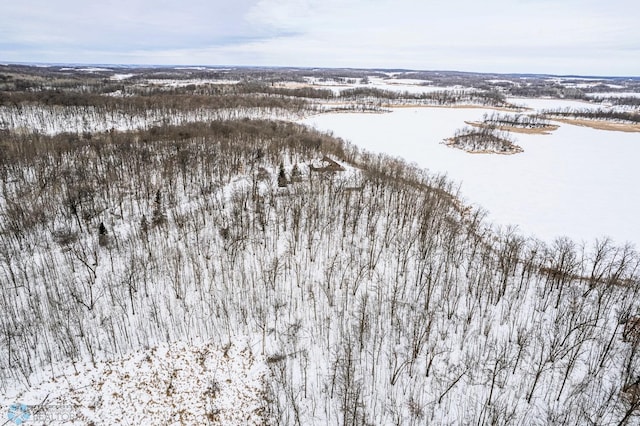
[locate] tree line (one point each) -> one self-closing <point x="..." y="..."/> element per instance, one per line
<point x="595" y="114"/>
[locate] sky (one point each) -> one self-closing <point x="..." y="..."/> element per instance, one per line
<point x="584" y="37"/>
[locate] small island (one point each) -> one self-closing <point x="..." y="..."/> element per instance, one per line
<point x="518" y="123"/>
<point x="483" y="140"/>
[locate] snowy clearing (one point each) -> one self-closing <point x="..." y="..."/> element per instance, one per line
<point x="120" y="77"/>
<point x="184" y="83"/>
<point x="541" y="104"/>
<point x="614" y="95"/>
<point x="411" y="86"/>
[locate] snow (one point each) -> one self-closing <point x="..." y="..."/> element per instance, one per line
<point x="355" y="316"/>
<point x="329" y="84"/>
<point x="411" y="86"/>
<point x="565" y="79"/>
<point x="191" y="68"/>
<point x="165" y="384"/>
<point x="119" y="77"/>
<point x="577" y="182"/>
<point x="582" y="85"/>
<point x="614" y="95"/>
<point x="187" y="82"/>
<point x="296" y="305"/>
<point x="400" y="85"/>
<point x="499" y="80"/>
<point x="58" y="119"/>
<point x="541" y="104"/>
<point x="404" y="81"/>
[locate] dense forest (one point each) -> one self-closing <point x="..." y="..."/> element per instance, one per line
<point x="371" y="293"/>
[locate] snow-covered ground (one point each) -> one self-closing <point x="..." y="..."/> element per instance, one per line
<point x="411" y="86"/>
<point x="120" y="77"/>
<point x="394" y="85"/>
<point x="166" y="384"/>
<point x="614" y="95"/>
<point x="578" y="182"/>
<point x="87" y="69"/>
<point x="366" y="300"/>
<point x="77" y="119"/>
<point x="541" y="104"/>
<point x="183" y="83"/>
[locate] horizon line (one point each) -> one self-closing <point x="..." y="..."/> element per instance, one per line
<point x="293" y="67"/>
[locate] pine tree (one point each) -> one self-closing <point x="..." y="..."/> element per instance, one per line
<point x="282" y="177"/>
<point x="103" y="236"/>
<point x="296" y="174"/>
<point x="159" y="216"/>
<point x="144" y="224"/>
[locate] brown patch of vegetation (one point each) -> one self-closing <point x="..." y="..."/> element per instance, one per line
<point x="600" y="124"/>
<point x="631" y="332"/>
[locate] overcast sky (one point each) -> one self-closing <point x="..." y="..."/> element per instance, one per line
<point x="585" y="37"/>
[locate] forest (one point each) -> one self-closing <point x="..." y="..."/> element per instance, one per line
<point x="372" y="294"/>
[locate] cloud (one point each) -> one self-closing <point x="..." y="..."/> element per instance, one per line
<point x="561" y="36"/>
<point x="468" y="34"/>
<point x="125" y="25"/>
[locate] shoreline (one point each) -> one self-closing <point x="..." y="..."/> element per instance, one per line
<point x="547" y="130"/>
<point x="600" y="124"/>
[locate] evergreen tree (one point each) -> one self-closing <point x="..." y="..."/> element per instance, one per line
<point x="282" y="177"/>
<point x="103" y="236"/>
<point x="296" y="174"/>
<point x="159" y="216"/>
<point x="144" y="224"/>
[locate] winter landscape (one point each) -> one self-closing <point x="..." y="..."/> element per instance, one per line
<point x="301" y="246"/>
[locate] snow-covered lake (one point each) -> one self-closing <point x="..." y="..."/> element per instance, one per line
<point x="578" y="182"/>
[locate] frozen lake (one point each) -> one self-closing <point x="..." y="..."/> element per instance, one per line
<point x="577" y="182"/>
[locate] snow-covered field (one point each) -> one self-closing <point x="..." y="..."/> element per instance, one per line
<point x="411" y="86"/>
<point x="184" y="83"/>
<point x="394" y="85"/>
<point x="614" y="95"/>
<point x="541" y="104"/>
<point x="578" y="182"/>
